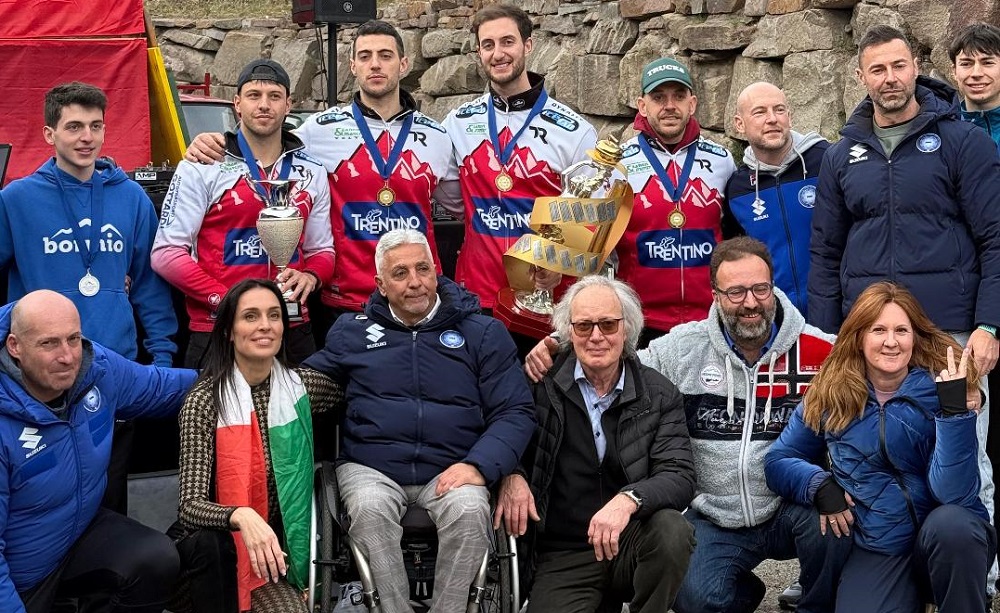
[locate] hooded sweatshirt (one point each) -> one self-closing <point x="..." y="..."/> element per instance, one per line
<point x="37" y="243"/>
<point x="669" y="266"/>
<point x="987" y="120"/>
<point x="53" y="469"/>
<point x="774" y="204"/>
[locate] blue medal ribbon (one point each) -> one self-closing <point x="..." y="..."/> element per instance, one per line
<point x="88" y="249"/>
<point x="255" y="171"/>
<point x="385" y="166"/>
<point x="674" y="191"/>
<point x="505" y="153"/>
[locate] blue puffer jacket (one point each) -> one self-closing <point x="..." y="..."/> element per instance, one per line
<point x="928" y="218"/>
<point x="421" y="399"/>
<point x="898" y="462"/>
<point x="987" y="120"/>
<point x="52" y="472"/>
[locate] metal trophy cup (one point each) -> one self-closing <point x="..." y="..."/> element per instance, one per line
<point x="279" y="226"/>
<point x="574" y="233"/>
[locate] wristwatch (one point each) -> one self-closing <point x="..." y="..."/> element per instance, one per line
<point x="988" y="328"/>
<point x="631" y="495"/>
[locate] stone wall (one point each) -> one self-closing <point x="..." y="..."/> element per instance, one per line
<point x="592" y="52"/>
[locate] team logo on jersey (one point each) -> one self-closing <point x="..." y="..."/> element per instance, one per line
<point x="675" y="248"/>
<point x="759" y="210"/>
<point x="631" y="150"/>
<point x="492" y="219"/>
<point x="857" y="153"/>
<point x="92" y="400"/>
<point x="929" y="143"/>
<point x="375" y="335"/>
<point x="807" y="196"/>
<point x="712" y="376"/>
<point x="332" y="116"/>
<point x="563" y="121"/>
<point x="167" y="208"/>
<point x="360" y="316"/>
<point x="366" y="221"/>
<point x="710" y="147"/>
<point x="243" y="248"/>
<point x="423" y="120"/>
<point x="468" y="110"/>
<point x="346" y="133"/>
<point x="477" y="129"/>
<point x="452" y="339"/>
<point x="110" y="239"/>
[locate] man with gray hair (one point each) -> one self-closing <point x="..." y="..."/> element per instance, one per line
<point x="742" y="371"/>
<point x="609" y="469"/>
<point x="437" y="410"/>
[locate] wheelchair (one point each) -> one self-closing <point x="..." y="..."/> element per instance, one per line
<point x="336" y="560"/>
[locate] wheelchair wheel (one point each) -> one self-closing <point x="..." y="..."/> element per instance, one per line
<point x="500" y="594"/>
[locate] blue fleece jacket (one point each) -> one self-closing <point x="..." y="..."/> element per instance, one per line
<point x="36" y="244"/>
<point x="898" y="462"/>
<point x="53" y="472"/>
<point x="987" y="120"/>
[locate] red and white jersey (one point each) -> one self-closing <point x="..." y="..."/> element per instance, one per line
<point x="555" y="139"/>
<point x="669" y="266"/>
<point x="207" y="240"/>
<point x="357" y="218"/>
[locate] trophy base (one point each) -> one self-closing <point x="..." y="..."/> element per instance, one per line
<point x="517" y="318"/>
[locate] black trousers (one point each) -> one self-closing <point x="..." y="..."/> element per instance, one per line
<point x="208" y="569"/>
<point x="299" y="345"/>
<point x="652" y="560"/>
<point x="117" y="558"/>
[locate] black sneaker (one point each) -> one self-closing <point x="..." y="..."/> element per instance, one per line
<point x="789" y="599"/>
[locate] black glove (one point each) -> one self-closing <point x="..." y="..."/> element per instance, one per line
<point x="829" y="498"/>
<point x="951" y="395"/>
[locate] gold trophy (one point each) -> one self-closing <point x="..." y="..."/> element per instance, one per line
<point x="279" y="226"/>
<point x="574" y="233"/>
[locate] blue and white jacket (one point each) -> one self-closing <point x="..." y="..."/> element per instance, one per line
<point x="987" y="120"/>
<point x="898" y="462"/>
<point x="53" y="472"/>
<point x="421" y="399"/>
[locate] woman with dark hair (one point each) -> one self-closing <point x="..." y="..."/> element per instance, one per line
<point x="246" y="464"/>
<point x="903" y="477"/>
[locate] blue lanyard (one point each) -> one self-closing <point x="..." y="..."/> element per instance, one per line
<point x="88" y="249"/>
<point x="504" y="154"/>
<point x="255" y="173"/>
<point x="674" y="191"/>
<point x="383" y="165"/>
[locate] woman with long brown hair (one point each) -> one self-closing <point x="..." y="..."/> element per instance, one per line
<point x="895" y="407"/>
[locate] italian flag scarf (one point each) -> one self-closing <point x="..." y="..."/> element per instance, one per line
<point x="241" y="479"/>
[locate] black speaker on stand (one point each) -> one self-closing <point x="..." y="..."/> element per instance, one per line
<point x="332" y="12"/>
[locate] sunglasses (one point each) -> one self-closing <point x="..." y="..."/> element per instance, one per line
<point x="586" y="328"/>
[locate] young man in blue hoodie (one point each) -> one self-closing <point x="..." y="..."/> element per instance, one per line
<point x="975" y="58"/>
<point x="80" y="227"/>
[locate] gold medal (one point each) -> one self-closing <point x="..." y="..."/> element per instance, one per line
<point x="503" y="182"/>
<point x="676" y="219"/>
<point x="386" y="196"/>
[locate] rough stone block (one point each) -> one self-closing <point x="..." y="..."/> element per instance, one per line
<point x="541" y="7"/>
<point x="718" y="32"/>
<point x="814" y="84"/>
<point x="643" y="9"/>
<point x="809" y="30"/>
<point x="723" y="6"/>
<point x="457" y="74"/>
<point x="711" y="84"/>
<point x="612" y="35"/>
<point x="755" y="8"/>
<point x="442" y="43"/>
<point x="561" y="24"/>
<point x="228" y="24"/>
<point x="236" y="51"/>
<point x="646" y="49"/>
<point x="598" y="84"/>
<point x="780" y="7"/>
<point x="854" y="91"/>
<point x="835" y="4"/>
<point x="300" y="58"/>
<point x="544" y="51"/>
<point x="928" y="20"/>
<point x="745" y="72"/>
<point x="190" y="39"/>
<point x="563" y="77"/>
<point x="188" y="65"/>
<point x="866" y="15"/>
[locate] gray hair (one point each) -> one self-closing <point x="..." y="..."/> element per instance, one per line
<point x="631" y="309"/>
<point x="397" y="238"/>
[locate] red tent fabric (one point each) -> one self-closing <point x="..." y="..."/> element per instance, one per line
<point x="32" y="67"/>
<point x="70" y="18"/>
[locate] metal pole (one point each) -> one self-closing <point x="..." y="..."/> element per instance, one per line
<point x="331" y="65"/>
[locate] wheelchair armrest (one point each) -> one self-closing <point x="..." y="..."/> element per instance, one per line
<point x="328" y="490"/>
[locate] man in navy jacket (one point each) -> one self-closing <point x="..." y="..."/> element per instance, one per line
<point x="437" y="409"/>
<point x="59" y="397"/>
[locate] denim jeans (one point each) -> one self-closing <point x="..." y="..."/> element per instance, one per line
<point x="719" y="578"/>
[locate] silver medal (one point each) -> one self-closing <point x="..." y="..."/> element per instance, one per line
<point x="89" y="285"/>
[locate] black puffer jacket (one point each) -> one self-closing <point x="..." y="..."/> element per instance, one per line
<point x="654" y="448"/>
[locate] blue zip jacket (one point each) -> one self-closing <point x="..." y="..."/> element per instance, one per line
<point x="898" y="462"/>
<point x="987" y="120"/>
<point x="421" y="399"/>
<point x="53" y="472"/>
<point x="36" y="243"/>
<point x="928" y="218"/>
<point x="775" y="206"/>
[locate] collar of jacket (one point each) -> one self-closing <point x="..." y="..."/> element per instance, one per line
<point x="522" y="101"/>
<point x="405" y="100"/>
<point x="562" y="377"/>
<point x="289" y="144"/>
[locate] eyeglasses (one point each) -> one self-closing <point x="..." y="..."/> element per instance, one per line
<point x="586" y="328"/>
<point x="736" y="295"/>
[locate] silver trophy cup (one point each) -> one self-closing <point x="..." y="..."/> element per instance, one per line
<point x="279" y="226"/>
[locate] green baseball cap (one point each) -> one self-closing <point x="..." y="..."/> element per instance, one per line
<point x="664" y="70"/>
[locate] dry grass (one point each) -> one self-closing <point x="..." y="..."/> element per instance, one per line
<point x="195" y="9"/>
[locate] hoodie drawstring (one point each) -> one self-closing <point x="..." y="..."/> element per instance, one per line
<point x="731" y="394"/>
<point x="770" y="388"/>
